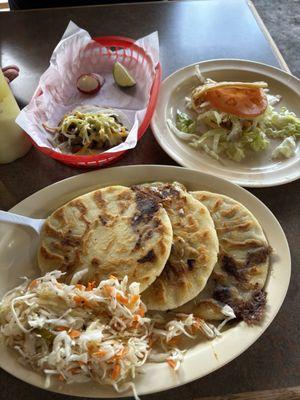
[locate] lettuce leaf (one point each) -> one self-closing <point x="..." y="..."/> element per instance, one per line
<point x="235" y="137"/>
<point x="281" y="124"/>
<point x="184" y="123"/>
<point x="286" y="148"/>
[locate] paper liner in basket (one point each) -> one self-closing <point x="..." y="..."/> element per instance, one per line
<point x="78" y="54"/>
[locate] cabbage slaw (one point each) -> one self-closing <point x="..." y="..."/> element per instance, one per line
<point x="87" y="132"/>
<point x="221" y="134"/>
<point x="74" y="333"/>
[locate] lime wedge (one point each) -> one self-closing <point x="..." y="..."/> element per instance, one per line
<point x="122" y="76"/>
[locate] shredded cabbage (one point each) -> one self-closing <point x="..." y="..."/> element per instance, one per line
<point x="224" y="135"/>
<point x="234" y="137"/>
<point x="286" y="148"/>
<point x="74" y="333"/>
<point x="184" y="123"/>
<point x="85" y="132"/>
<point x="281" y="124"/>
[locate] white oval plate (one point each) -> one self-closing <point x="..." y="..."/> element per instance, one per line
<point x="18" y="258"/>
<point x="257" y="170"/>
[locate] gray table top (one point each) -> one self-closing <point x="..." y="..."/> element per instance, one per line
<point x="188" y="32"/>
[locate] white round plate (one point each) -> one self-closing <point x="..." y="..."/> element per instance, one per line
<point x="18" y="248"/>
<point x="258" y="169"/>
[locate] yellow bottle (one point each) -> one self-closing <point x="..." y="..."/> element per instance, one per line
<point x="13" y="142"/>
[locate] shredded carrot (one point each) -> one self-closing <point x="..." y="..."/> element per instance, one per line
<point x="115" y="372"/>
<point x="81" y="301"/>
<point x="108" y="290"/>
<point x="74" y="333"/>
<point x="171" y="362"/>
<point x="133" y="299"/>
<point x="91" y="286"/>
<point x="118" y="356"/>
<point x="141" y="312"/>
<point x="80" y="362"/>
<point x="32" y="284"/>
<point x="79" y="286"/>
<point x="99" y="353"/>
<point x="121" y="299"/>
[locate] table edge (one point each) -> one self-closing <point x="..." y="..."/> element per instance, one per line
<point x="268" y="37"/>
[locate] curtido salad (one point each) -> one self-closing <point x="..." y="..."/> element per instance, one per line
<point x="233" y="119"/>
<point x="89" y="130"/>
<point x="75" y="333"/>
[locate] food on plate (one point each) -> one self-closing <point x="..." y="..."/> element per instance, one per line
<point x="245" y="100"/>
<point x="134" y="276"/>
<point x="89" y="130"/>
<point x="238" y="278"/>
<point x="89" y="83"/>
<point x="194" y="249"/>
<point x="122" y="76"/>
<point x="113" y="230"/>
<point x="75" y="333"/>
<point x="286" y="148"/>
<point x="233" y="119"/>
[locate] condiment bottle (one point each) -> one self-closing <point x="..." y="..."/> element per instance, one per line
<point x="13" y="142"/>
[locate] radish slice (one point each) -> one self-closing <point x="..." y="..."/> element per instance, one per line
<point x="89" y="83"/>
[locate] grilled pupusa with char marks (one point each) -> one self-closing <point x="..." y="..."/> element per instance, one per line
<point x="238" y="278"/>
<point x="113" y="230"/>
<point x="194" y="250"/>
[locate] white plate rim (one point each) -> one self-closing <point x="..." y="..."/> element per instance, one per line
<point x="219" y="62"/>
<point x="80" y="181"/>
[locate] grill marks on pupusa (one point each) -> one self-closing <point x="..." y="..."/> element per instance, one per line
<point x="194" y="249"/>
<point x="239" y="276"/>
<point x="113" y="230"/>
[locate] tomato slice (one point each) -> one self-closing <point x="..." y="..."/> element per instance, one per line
<point x="242" y="102"/>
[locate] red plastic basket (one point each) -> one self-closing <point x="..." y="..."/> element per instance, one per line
<point x="111" y="44"/>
